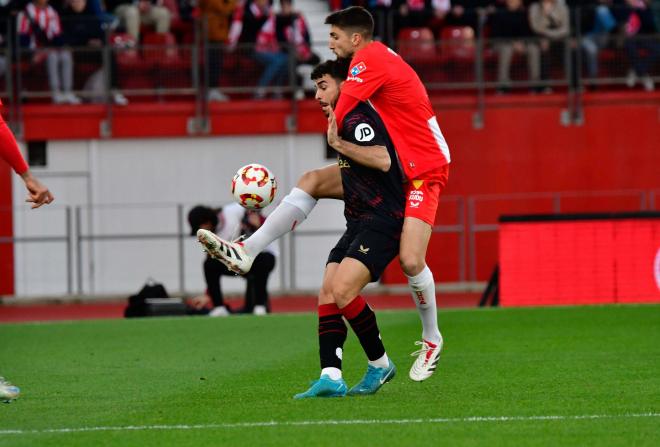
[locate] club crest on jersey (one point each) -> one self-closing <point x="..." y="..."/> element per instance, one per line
<point x="358" y="68"/>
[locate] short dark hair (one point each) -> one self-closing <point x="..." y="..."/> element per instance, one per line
<point x="354" y="19"/>
<point x="201" y="215"/>
<point x="337" y="69"/>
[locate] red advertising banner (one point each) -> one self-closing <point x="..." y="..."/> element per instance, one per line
<point x="579" y="259"/>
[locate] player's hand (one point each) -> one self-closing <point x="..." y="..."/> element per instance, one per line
<point x="38" y="194"/>
<point x="199" y="302"/>
<point x="333" y="138"/>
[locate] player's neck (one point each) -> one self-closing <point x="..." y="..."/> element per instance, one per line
<point x="362" y="44"/>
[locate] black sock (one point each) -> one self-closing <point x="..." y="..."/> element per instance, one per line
<point x="363" y="322"/>
<point x="332" y="335"/>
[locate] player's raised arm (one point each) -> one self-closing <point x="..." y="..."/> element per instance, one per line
<point x="374" y="156"/>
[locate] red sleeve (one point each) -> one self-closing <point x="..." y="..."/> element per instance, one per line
<point x="345" y="104"/>
<point x="9" y="149"/>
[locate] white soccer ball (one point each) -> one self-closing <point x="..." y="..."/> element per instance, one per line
<point x="254" y="186"/>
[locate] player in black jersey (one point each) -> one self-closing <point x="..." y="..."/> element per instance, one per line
<point x="374" y="203"/>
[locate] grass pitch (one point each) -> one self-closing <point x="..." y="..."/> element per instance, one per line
<point x="542" y="377"/>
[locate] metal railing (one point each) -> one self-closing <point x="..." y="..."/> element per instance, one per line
<point x="82" y="237"/>
<point x="468" y="64"/>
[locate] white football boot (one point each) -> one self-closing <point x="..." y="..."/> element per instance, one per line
<point x="8" y="392"/>
<point x="427" y="360"/>
<point x="231" y="254"/>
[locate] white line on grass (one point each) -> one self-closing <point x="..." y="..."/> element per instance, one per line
<point x="331" y="422"/>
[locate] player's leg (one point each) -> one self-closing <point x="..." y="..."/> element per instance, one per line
<point x="263" y="265"/>
<point x="351" y="277"/>
<point x="365" y="260"/>
<point x="421" y="207"/>
<point x="213" y="270"/>
<point x="8" y="392"/>
<point x="294" y="208"/>
<point x="332" y="335"/>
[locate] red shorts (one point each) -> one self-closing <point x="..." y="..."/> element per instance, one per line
<point x="422" y="196"/>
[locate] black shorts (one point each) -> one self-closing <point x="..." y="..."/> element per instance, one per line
<point x="374" y="249"/>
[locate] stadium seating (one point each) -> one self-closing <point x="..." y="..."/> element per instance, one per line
<point x="418" y="47"/>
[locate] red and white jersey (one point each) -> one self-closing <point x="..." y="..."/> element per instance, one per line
<point x="379" y="75"/>
<point x="45" y="18"/>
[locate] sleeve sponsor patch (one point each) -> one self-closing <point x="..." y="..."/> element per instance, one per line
<point x="364" y="132"/>
<point x="358" y="68"/>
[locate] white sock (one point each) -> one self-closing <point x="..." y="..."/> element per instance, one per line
<point x="333" y="373"/>
<point x="382" y="362"/>
<point x="422" y="287"/>
<point x="294" y="209"/>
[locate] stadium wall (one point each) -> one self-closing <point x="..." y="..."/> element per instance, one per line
<point x="524" y="147"/>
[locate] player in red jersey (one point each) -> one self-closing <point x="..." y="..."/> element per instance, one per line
<point x="38" y="194"/>
<point x="383" y="78"/>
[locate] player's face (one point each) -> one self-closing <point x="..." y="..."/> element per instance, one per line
<point x="341" y="42"/>
<point x="327" y="92"/>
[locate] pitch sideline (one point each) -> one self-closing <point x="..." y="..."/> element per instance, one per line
<point x="257" y="424"/>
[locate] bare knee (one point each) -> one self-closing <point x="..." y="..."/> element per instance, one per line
<point x="341" y="295"/>
<point x="411" y="263"/>
<point x="309" y="182"/>
<point x="325" y="297"/>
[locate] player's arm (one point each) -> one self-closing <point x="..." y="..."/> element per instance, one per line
<point x="374" y="156"/>
<point x="38" y="194"/>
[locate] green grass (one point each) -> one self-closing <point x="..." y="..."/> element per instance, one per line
<point x="522" y="363"/>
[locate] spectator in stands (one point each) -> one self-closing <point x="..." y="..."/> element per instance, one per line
<point x="270" y="53"/>
<point x="510" y="28"/>
<point x="82" y="28"/>
<point x="217" y="14"/>
<point x="134" y="13"/>
<point x="8" y="11"/>
<point x="40" y="30"/>
<point x="466" y="13"/>
<point x="595" y="22"/>
<point x="249" y="25"/>
<point x="417" y="13"/>
<point x="189" y="9"/>
<point x="293" y="34"/>
<point x="232" y="221"/>
<point x="639" y="25"/>
<point x="550" y="21"/>
<point x="380" y="10"/>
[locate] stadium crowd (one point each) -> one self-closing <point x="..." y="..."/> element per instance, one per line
<point x="261" y="38"/>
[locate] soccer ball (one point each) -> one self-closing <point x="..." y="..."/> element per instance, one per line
<point x="254" y="186"/>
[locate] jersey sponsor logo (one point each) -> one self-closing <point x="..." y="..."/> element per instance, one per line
<point x="364" y="132"/>
<point x="358" y="68"/>
<point x="417" y="183"/>
<point x="343" y="163"/>
<point x="363" y="250"/>
<point x="355" y="79"/>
